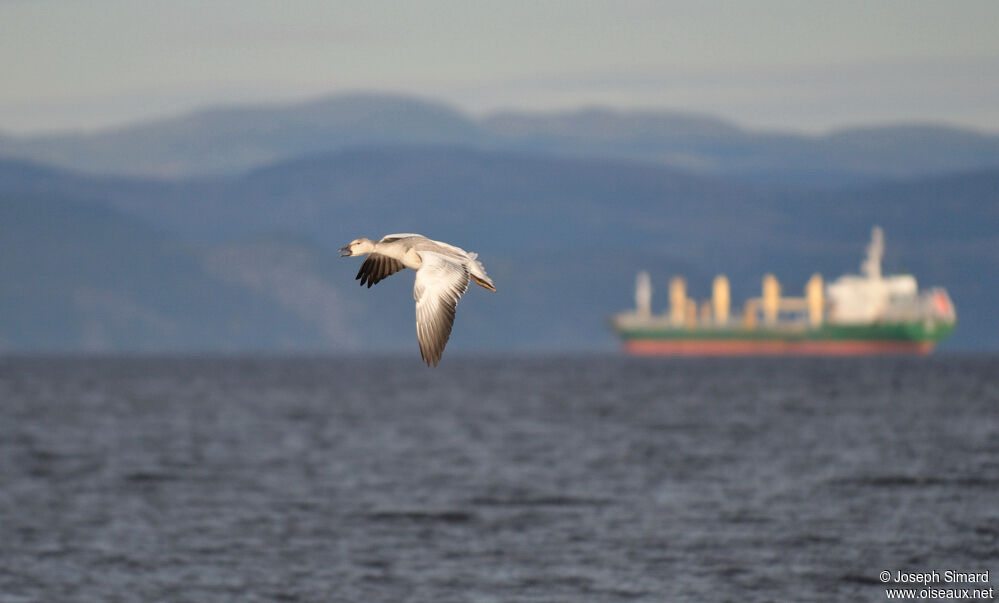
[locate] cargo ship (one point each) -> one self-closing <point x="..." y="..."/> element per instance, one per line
<point x="853" y="315"/>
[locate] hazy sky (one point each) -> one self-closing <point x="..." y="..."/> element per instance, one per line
<point x="769" y="63"/>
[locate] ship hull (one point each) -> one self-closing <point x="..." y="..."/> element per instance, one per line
<point x="735" y="347"/>
<point x="830" y="340"/>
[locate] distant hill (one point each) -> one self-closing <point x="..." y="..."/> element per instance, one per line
<point x="249" y="262"/>
<point x="233" y="139"/>
<point x="76" y="276"/>
<point x="710" y="145"/>
<point x="229" y="140"/>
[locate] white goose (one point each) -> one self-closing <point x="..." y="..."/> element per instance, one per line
<point x="442" y="275"/>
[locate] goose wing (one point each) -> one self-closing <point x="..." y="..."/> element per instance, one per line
<point x="377" y="267"/>
<point x="400" y="235"/>
<point x="440" y="283"/>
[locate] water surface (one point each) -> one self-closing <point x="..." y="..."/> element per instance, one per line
<point x="492" y="479"/>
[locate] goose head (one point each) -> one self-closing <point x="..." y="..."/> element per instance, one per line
<point x="360" y="246"/>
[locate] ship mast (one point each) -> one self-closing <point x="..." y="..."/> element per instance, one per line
<point x="871" y="266"/>
<point x="643" y="294"/>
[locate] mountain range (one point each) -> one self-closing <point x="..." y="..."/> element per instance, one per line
<point x="245" y="259"/>
<point x="229" y="140"/>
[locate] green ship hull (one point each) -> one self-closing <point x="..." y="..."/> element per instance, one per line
<point x="917" y="337"/>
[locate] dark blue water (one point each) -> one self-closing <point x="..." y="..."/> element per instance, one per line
<point x="547" y="479"/>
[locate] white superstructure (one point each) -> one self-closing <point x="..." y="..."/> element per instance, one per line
<point x="871" y="297"/>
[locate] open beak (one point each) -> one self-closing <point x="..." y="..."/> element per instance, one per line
<point x="346" y="252"/>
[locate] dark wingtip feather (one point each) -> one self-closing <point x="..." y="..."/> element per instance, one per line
<point x="376" y="268"/>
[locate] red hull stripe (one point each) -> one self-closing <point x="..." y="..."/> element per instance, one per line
<point x="734" y="347"/>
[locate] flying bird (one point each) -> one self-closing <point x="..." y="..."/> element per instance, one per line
<point x="442" y="275"/>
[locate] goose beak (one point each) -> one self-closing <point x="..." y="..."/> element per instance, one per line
<point x="346" y="252"/>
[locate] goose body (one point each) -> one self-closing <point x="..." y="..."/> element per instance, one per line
<point x="443" y="273"/>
